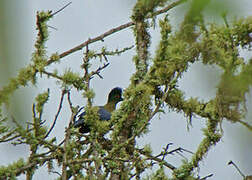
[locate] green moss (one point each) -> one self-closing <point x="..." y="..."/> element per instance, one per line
<point x="55" y="57"/>
<point x="41" y="99"/>
<point x="158" y="175"/>
<point x="25" y="75"/>
<point x="147" y="149"/>
<point x="39" y="60"/>
<point x="11" y="170"/>
<point x="70" y="78"/>
<point x="89" y="94"/>
<point x="145" y="7"/>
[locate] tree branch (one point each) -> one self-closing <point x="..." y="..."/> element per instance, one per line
<point x="57" y="114"/>
<point x="168" y="165"/>
<point x="111" y="31"/>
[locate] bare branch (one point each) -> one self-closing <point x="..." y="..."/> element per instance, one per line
<point x="55" y="172"/>
<point x="236" y="167"/>
<point x="49" y="74"/>
<point x="167" y="8"/>
<point x="97" y="72"/>
<point x="69" y="101"/>
<point x="168" y="165"/>
<point x="111" y="31"/>
<point x="92" y="40"/>
<point x="208" y="176"/>
<point x="61" y="9"/>
<point x="165" y="151"/>
<point x="57" y="114"/>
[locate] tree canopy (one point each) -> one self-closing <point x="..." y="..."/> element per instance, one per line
<point x="110" y="151"/>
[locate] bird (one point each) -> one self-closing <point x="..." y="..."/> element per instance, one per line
<point x="114" y="97"/>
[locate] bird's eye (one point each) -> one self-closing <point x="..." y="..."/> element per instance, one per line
<point x="117" y="96"/>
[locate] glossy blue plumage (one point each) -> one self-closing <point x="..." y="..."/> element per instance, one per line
<point x="104" y="112"/>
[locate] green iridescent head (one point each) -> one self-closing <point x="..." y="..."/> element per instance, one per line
<point x="115" y="95"/>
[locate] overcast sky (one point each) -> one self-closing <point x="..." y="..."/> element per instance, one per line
<point x="85" y="19"/>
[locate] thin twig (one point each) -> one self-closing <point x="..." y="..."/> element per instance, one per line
<point x="111" y="31"/>
<point x="167" y="8"/>
<point x="65" y="155"/>
<point x="168" y="165"/>
<point x="54" y="28"/>
<point x="55" y="172"/>
<point x="186" y="150"/>
<point x="231" y="162"/>
<point x="13" y="132"/>
<point x="52" y="75"/>
<point x="61" y="9"/>
<point x="111" y="53"/>
<point x="165" y="151"/>
<point x="84" y="160"/>
<point x="92" y="40"/>
<point x="4" y="138"/>
<point x="98" y="70"/>
<point x="30" y="165"/>
<point x="85" y="63"/>
<point x="53" y="146"/>
<point x="70" y="102"/>
<point x="204" y="178"/>
<point x="224" y="16"/>
<point x="33" y="110"/>
<point x="179" y="149"/>
<point x="57" y="114"/>
<point x="245" y="124"/>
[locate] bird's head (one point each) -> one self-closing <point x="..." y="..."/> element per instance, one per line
<point x="115" y="95"/>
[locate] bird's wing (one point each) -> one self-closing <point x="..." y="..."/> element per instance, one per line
<point x="80" y="120"/>
<point x="104" y="114"/>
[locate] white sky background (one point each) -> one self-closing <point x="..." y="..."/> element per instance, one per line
<point x="85" y="19"/>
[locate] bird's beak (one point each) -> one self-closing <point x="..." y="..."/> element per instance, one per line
<point x="121" y="99"/>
